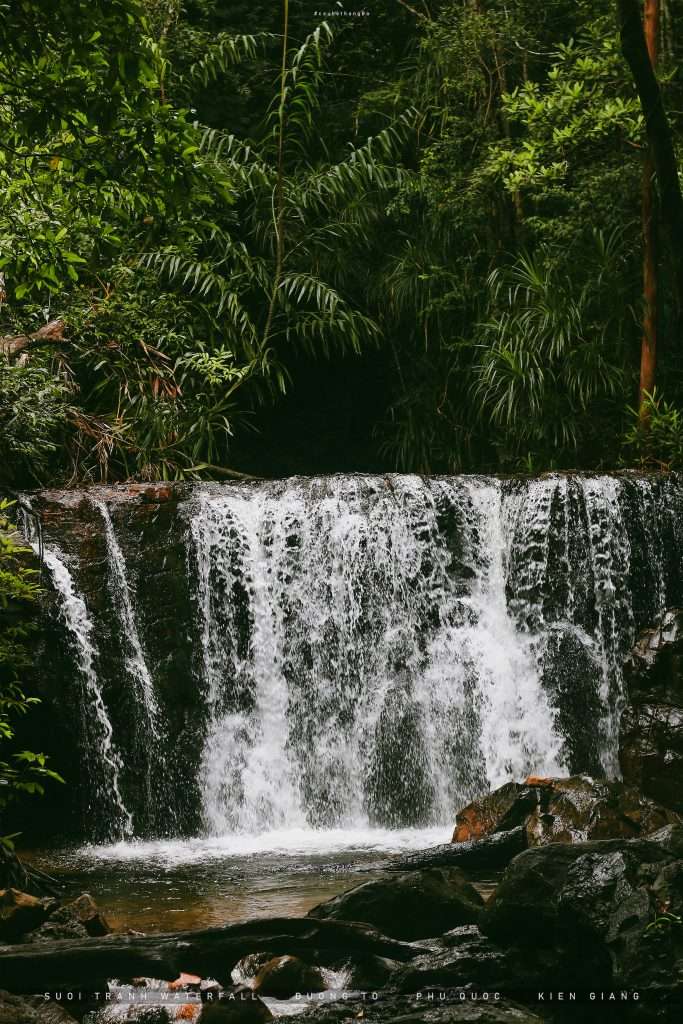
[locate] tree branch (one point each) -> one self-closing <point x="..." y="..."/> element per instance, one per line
<point x="418" y="14"/>
<point x="50" y="334"/>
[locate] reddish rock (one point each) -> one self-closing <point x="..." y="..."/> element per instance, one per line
<point x="188" y="982"/>
<point x="483" y="816"/>
<point x="85" y="910"/>
<point x="576" y="809"/>
<point x="157" y="493"/>
<point x="189" y="1011"/>
<point x="75" y="920"/>
<point x="19" y="913"/>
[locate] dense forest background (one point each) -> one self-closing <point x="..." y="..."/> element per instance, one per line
<point x="264" y="237"/>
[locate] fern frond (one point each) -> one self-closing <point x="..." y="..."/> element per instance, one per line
<point x="227" y="51"/>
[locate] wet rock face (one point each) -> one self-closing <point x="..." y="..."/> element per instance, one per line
<point x="570" y="810"/>
<point x="460" y="1008"/>
<point x="414" y="905"/>
<point x="464" y="953"/>
<point x="158" y="774"/>
<point x="607" y="912"/>
<point x="284" y="976"/>
<point x="243" y="1008"/>
<point x="74" y="920"/>
<point x="486" y="815"/>
<point x="19" y="913"/>
<point x="31" y="1010"/>
<point x="651" y="736"/>
<point x="25" y="918"/>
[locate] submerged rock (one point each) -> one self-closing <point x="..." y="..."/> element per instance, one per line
<point x="240" y="1006"/>
<point x="31" y="1010"/>
<point x="369" y="973"/>
<point x="651" y="735"/>
<point x="284" y="976"/>
<point x="248" y="967"/>
<point x="412" y="905"/>
<point x="571" y="810"/>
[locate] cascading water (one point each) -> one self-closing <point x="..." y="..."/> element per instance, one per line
<point x="376" y="679"/>
<point x="358" y="652"/>
<point x="134" y="658"/>
<point x="147" y="718"/>
<point x="103" y="764"/>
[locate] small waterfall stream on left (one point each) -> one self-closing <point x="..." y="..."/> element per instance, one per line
<point x="103" y="761"/>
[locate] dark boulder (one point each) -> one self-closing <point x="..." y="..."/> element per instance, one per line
<point x="600" y="913"/>
<point x="31" y="1010"/>
<point x="369" y="973"/>
<point x="651" y="735"/>
<point x="571" y="810"/>
<point x="464" y="957"/>
<point x="237" y="1006"/>
<point x="412" y="905"/>
<point x="75" y="920"/>
<point x="489" y="853"/>
<point x="460" y="1007"/>
<point x="285" y="976"/>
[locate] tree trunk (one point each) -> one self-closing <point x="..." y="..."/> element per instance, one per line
<point x="634" y="47"/>
<point x="648" y="352"/>
<point x="86" y="965"/>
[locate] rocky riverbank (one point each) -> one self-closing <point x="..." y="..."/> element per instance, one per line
<point x="418" y="944"/>
<point x="586" y="921"/>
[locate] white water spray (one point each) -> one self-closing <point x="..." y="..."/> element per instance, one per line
<point x="103" y="759"/>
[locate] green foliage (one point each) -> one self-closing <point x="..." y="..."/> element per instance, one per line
<point x="21" y="771"/>
<point x="654" y="438"/>
<point x="522" y="266"/>
<point x="460" y="191"/>
<point x="33" y="414"/>
<point x="552" y="361"/>
<point x="157" y="234"/>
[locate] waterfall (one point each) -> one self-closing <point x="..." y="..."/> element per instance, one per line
<point x="354" y="652"/>
<point x="356" y="670"/>
<point x="147" y="717"/>
<point x="134" y="658"/>
<point x="101" y="758"/>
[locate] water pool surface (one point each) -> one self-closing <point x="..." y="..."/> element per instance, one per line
<point x="172" y="885"/>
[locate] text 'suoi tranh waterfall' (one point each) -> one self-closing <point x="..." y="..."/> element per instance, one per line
<point x="348" y="651"/>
